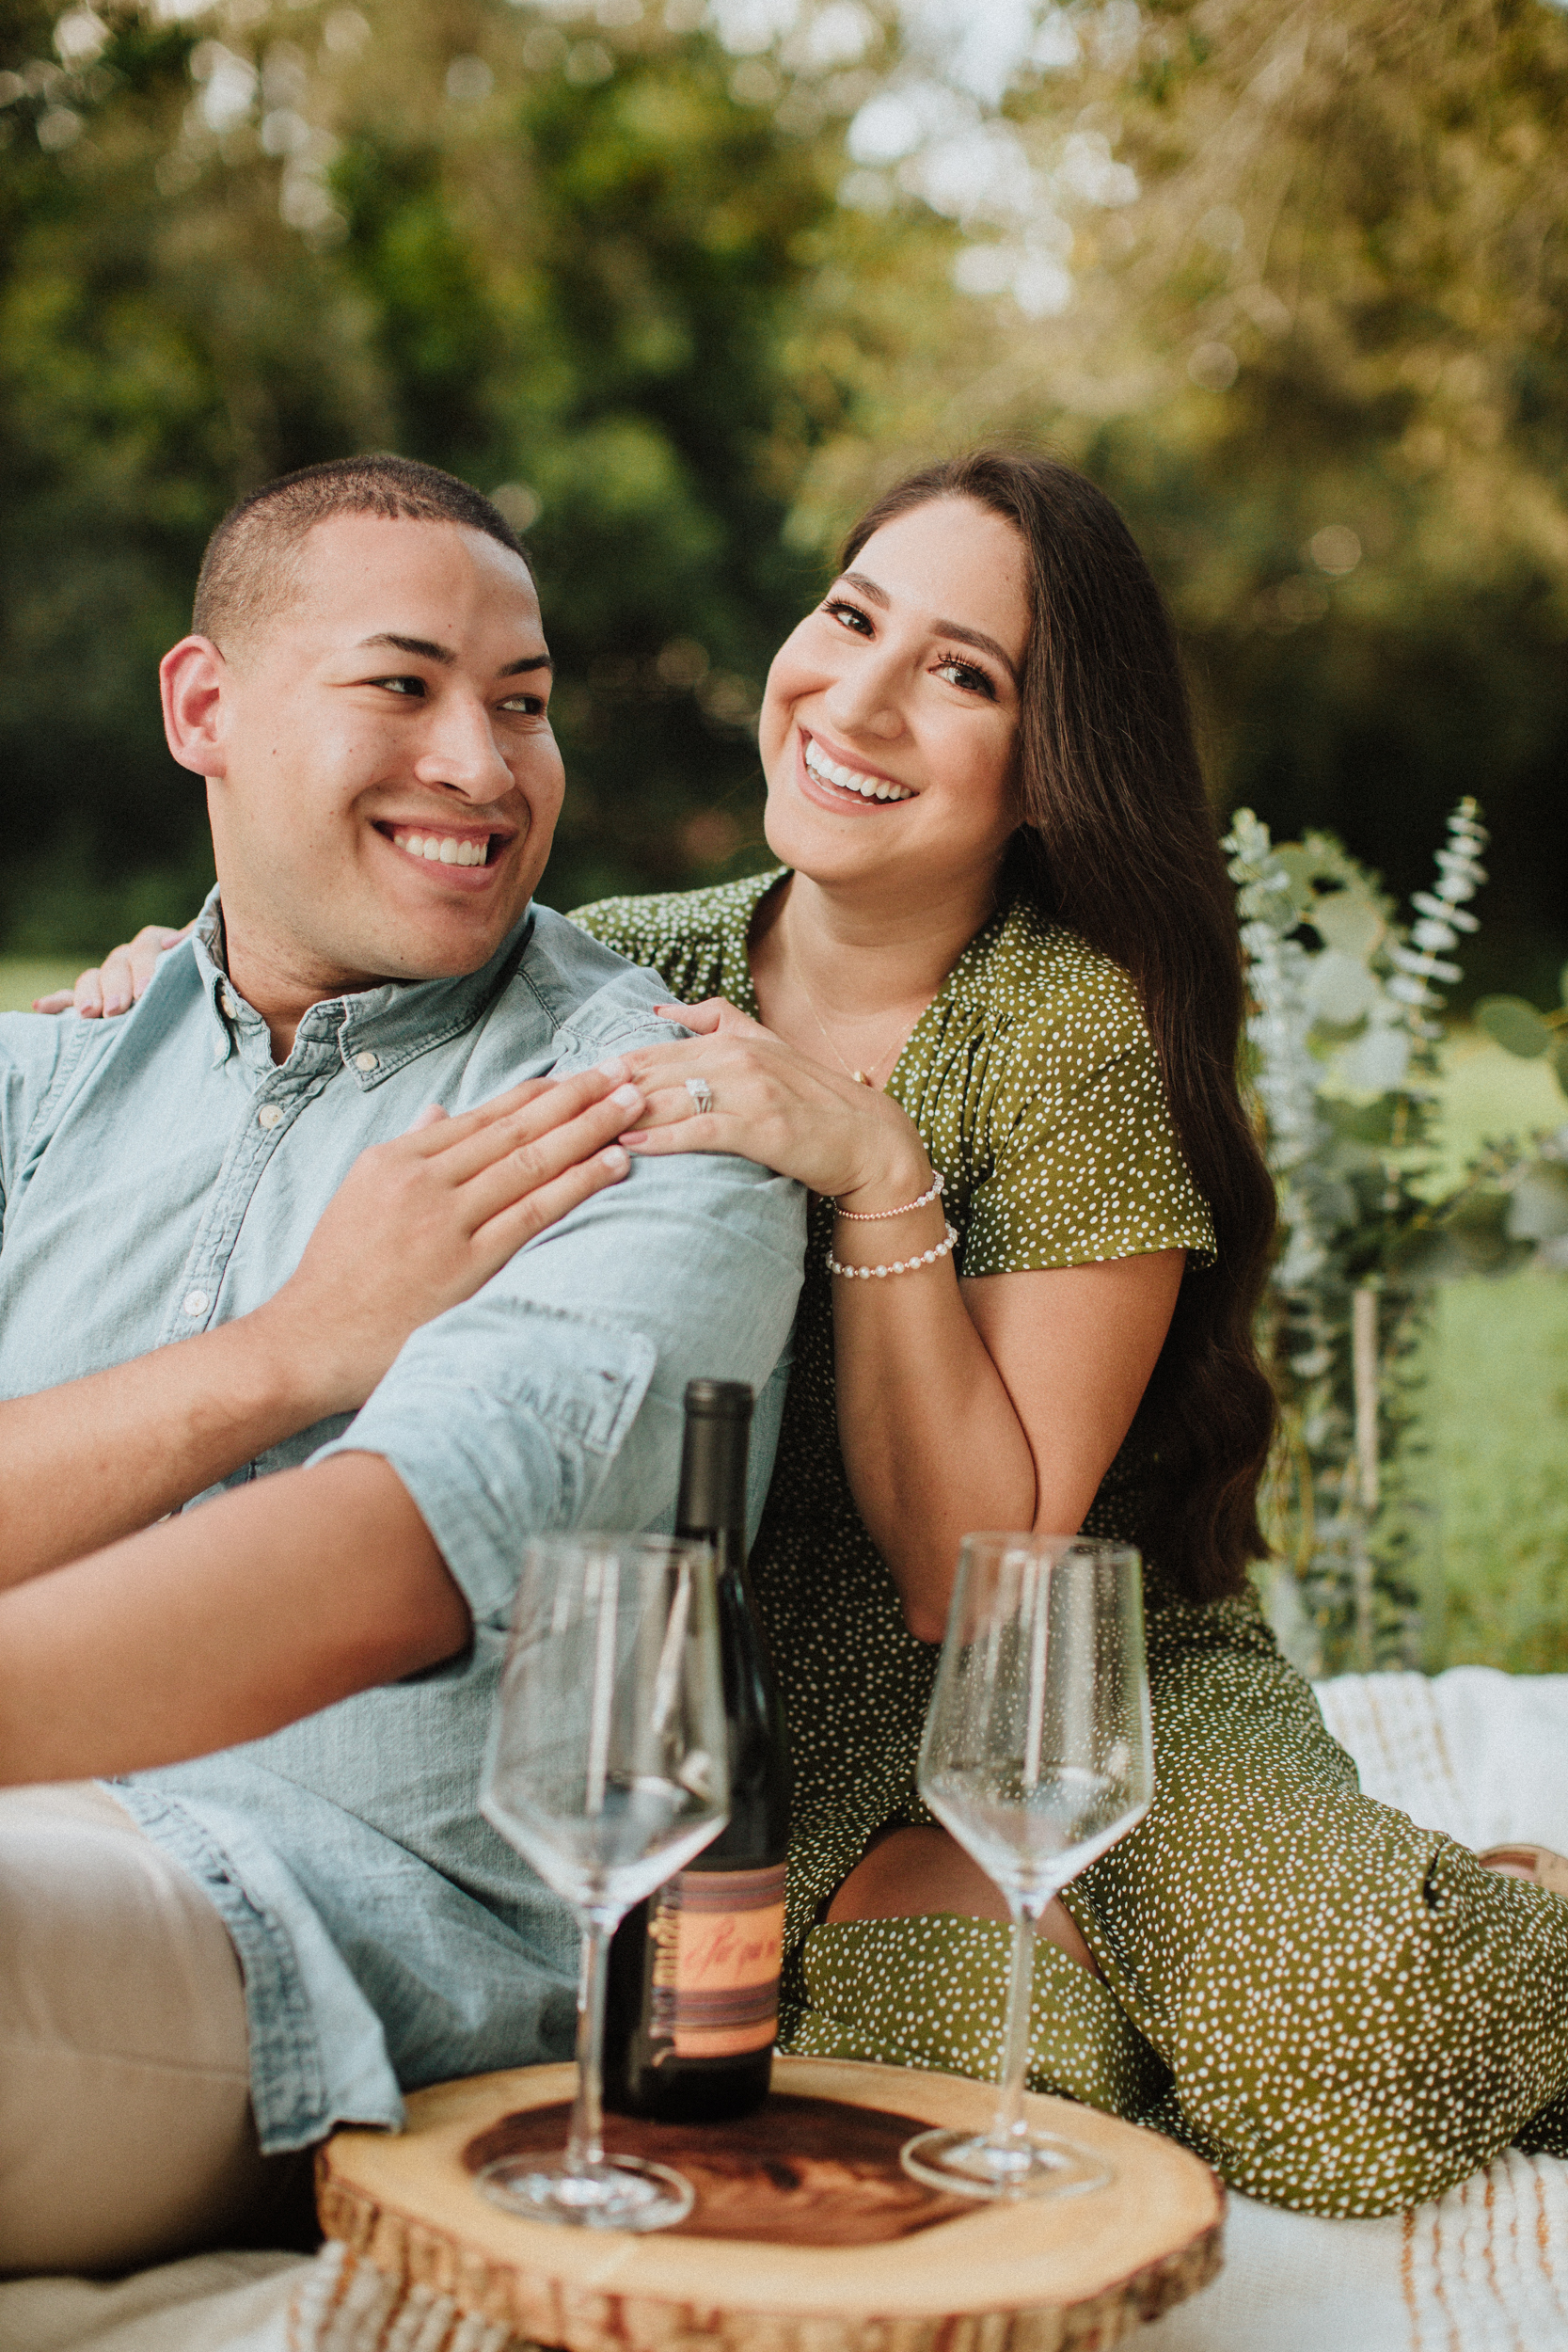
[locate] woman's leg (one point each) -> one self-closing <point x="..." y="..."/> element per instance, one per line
<point x="1344" y="2012"/>
<point x="1355" y="2013"/>
<point x="910" y="1872"/>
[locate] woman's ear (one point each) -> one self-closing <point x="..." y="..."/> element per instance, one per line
<point x="192" y="676"/>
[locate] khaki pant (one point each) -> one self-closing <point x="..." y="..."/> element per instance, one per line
<point x="125" y="2128"/>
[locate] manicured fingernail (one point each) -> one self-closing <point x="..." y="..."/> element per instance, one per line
<point x="613" y="1157"/>
<point x="116" y="1003"/>
<point x="615" y="1068"/>
<point x="631" y="1096"/>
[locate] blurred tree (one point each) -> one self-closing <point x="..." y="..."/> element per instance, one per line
<point x="1293" y="285"/>
<point x="683" y="282"/>
<point x="583" y="274"/>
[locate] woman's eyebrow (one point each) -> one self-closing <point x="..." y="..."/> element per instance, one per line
<point x="939" y="628"/>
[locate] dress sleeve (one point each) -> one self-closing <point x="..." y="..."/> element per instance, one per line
<point x="648" y="932"/>
<point x="1082" y="1161"/>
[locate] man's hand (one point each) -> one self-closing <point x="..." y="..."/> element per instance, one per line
<point x="419" y="1224"/>
<point x="415" y="1227"/>
<point x="224" y="1625"/>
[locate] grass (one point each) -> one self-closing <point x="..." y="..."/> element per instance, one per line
<point x="1497" y="1427"/>
<point x="1496" y="1404"/>
<point x="22" y="979"/>
<point x="1497" y="1410"/>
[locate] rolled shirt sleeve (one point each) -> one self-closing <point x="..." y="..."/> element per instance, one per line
<point x="553" y="1398"/>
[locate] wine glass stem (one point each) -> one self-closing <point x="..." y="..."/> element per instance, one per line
<point x="1015" y="2059"/>
<point x="585" y="2146"/>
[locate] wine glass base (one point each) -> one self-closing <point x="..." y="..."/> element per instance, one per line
<point x="620" y="2193"/>
<point x="970" y="2164"/>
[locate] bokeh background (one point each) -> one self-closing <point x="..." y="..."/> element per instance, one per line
<point x="680" y="282"/>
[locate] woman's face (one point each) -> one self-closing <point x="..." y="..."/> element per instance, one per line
<point x="890" y="721"/>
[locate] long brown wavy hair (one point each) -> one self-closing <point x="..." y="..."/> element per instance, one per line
<point x="1117" y="840"/>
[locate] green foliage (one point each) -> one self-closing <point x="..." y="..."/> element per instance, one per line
<point x="1292" y="286"/>
<point x="1344" y="1066"/>
<point x="589" y="292"/>
<point x="1518" y="1028"/>
<point x="1342" y="1047"/>
<point x="1319" y="354"/>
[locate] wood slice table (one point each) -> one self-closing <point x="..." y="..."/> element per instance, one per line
<point x="806" y="2235"/>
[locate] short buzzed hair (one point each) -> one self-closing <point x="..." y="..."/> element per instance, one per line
<point x="250" y="570"/>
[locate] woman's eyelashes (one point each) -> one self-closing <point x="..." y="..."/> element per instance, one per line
<point x="965" y="674"/>
<point x="850" y="615"/>
<point x="952" y="666"/>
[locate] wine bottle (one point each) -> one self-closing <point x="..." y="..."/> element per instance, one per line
<point x="693" y="1997"/>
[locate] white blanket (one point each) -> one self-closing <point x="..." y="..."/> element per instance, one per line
<point x="1480" y="1754"/>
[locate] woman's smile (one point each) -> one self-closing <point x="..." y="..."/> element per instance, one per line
<point x="843" y="780"/>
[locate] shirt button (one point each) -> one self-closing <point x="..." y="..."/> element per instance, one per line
<point x="367" y="1062"/>
<point x="269" y="1115"/>
<point x="228" y="1004"/>
<point x="195" y="1302"/>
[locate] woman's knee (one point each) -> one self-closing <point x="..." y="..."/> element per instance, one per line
<point x="921" y="1872"/>
<point x="1359" y="2070"/>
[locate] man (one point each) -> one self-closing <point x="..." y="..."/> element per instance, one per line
<point x="212" y="1964"/>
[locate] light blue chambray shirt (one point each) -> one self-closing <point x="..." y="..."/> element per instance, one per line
<point x="159" y="1174"/>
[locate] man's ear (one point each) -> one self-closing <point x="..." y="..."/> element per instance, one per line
<point x="192" y="676"/>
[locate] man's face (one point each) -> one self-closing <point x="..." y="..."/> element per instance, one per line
<point x="385" y="783"/>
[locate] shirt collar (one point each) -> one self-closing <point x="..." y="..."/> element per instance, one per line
<point x="374" y="1031"/>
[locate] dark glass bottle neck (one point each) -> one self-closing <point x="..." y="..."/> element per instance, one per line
<point x="713" y="1477"/>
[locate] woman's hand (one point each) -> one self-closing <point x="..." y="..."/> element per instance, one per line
<point x="112" y="986"/>
<point x="419" y="1223"/>
<point x="774" y="1105"/>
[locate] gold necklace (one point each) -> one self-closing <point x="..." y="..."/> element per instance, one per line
<point x="861" y="1077"/>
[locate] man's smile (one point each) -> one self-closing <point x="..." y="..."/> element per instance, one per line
<point x="466" y="850"/>
<point x="448" y="847"/>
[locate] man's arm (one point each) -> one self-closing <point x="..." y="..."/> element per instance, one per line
<point x="416" y="1226"/>
<point x="224" y="1625"/>
<point x="550" y="1400"/>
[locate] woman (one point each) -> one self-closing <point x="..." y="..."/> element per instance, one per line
<point x="1001" y="952"/>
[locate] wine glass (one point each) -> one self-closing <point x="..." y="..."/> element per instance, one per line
<point x="1037" y="1756"/>
<point x="607" y="1769"/>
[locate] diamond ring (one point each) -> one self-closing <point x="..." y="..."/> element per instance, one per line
<point x="701" y="1093"/>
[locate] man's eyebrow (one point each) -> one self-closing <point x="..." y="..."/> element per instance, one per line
<point x="420" y="646"/>
<point x="426" y="651"/>
<point x="977" y="637"/>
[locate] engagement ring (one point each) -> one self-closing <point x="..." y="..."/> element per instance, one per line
<point x="701" y="1093"/>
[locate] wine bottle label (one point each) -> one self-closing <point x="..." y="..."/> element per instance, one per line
<point x="718" y="1940"/>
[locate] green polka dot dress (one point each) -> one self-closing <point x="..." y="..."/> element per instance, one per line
<point x="1341" y="2011"/>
